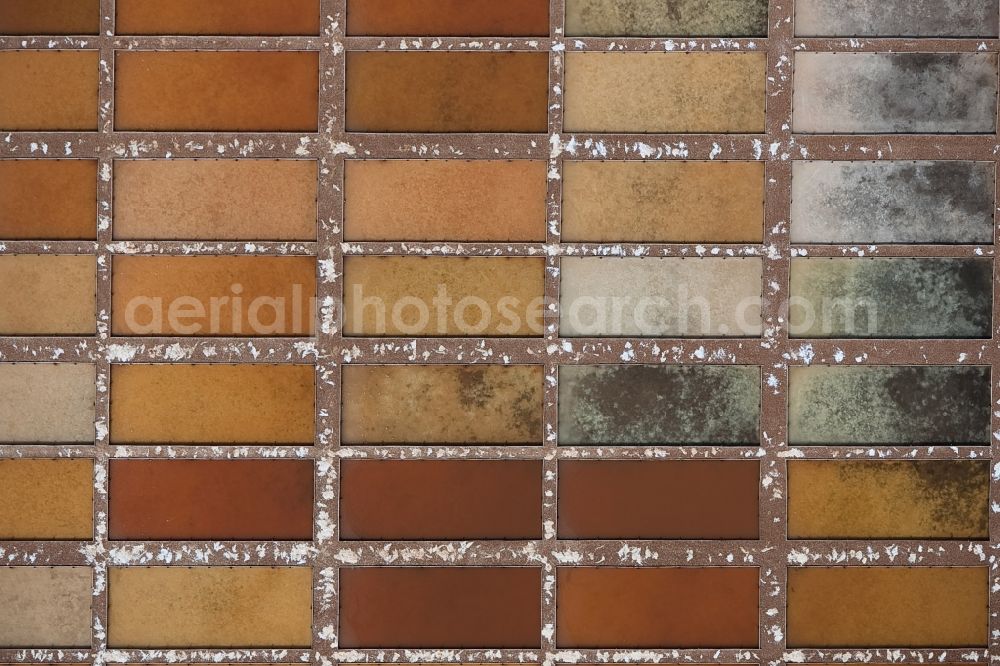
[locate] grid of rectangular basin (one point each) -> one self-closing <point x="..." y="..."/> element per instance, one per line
<point x="761" y="564"/>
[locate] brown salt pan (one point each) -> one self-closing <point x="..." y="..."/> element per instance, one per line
<point x="664" y="92"/>
<point x="463" y="18"/>
<point x="682" y="607"/>
<point x="903" y="499"/>
<point x="219" y="404"/>
<point x="218" y="17"/>
<point x="47" y="403"/>
<point x="447" y="92"/>
<point x="459" y="296"/>
<point x="628" y="499"/>
<point x="47" y="294"/>
<point x="151" y="500"/>
<point x="215" y="199"/>
<point x="48" y="199"/>
<point x="440" y="499"/>
<point x="440" y="607"/>
<point x="888" y="607"/>
<point x="46" y="499"/>
<point x="444" y="200"/>
<point x="48" y="90"/>
<point x="50" y="17"/>
<point x="46" y="606"/>
<point x="668" y="202"/>
<point x="239" y="91"/>
<point x="444" y="404"/>
<point x="209" y="607"/>
<point x="212" y="295"/>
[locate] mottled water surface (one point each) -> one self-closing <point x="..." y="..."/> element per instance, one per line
<point x="441" y="404"/>
<point x="892" y="202"/>
<point x="645" y="404"/>
<point x="667" y="18"/>
<point x="890" y="298"/>
<point x="660" y="296"/>
<point x="896" y="18"/>
<point x="888" y="499"/>
<point x="889" y="405"/>
<point x="871" y="93"/>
